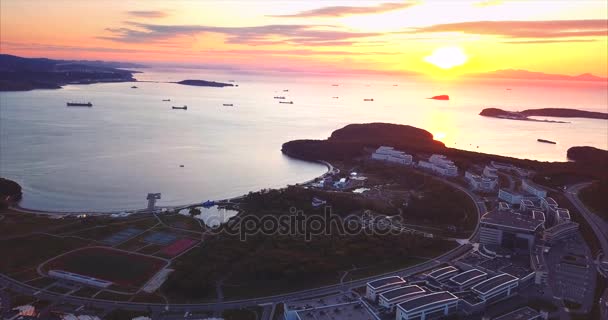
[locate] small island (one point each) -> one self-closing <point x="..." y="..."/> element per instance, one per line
<point x="204" y="83"/>
<point x="546" y="112"/>
<point x="24" y="74"/>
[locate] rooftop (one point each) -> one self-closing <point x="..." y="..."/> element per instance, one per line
<point x="427" y="299"/>
<point x="523" y="313"/>
<point x="385" y="281"/>
<point x="493" y="283"/>
<point x="562" y="227"/>
<point x="469" y="297"/>
<point x="467" y="276"/>
<point x="442" y="271"/>
<point x="400" y="292"/>
<point x="511" y="219"/>
<point x="550" y="201"/>
<point x="355" y="311"/>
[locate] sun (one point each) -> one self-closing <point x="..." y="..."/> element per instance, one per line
<point x="447" y="57"/>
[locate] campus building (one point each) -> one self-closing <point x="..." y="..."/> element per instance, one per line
<point x="490" y="172"/>
<point x="434" y="305"/>
<point x="389" y="154"/>
<point x="560" y="231"/>
<point x="496" y="288"/>
<point x="439" y="164"/>
<point x="510" y="229"/>
<point x="509" y="196"/>
<point x="533" y="189"/>
<point x="376" y="287"/>
<point x="480" y="183"/>
<point x="442" y="273"/>
<point x="467" y="279"/>
<point x="389" y="299"/>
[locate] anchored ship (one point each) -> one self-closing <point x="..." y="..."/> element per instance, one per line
<point x="79" y="104"/>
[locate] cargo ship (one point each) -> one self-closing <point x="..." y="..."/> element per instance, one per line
<point x="228" y="105"/>
<point x="368" y="99"/>
<point x="546" y="141"/>
<point x="286" y="102"/>
<point x="79" y="104"/>
<point x="180" y="108"/>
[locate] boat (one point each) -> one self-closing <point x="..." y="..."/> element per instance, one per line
<point x="228" y="105"/>
<point x="134" y="87"/>
<point x="286" y="90"/>
<point x="166" y="99"/>
<point x="286" y="102"/>
<point x="368" y="99"/>
<point x="335" y="97"/>
<point x="279" y="97"/>
<point x="79" y="104"/>
<point x="181" y="165"/>
<point x="335" y="85"/>
<point x="180" y="108"/>
<point x="546" y="141"/>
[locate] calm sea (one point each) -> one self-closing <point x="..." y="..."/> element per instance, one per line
<point x="131" y="142"/>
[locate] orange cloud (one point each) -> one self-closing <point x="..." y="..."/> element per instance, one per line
<point x="340" y="11"/>
<point x="525" y="29"/>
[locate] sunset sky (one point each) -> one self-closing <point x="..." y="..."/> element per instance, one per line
<point x="431" y="37"/>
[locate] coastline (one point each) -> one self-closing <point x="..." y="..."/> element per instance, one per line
<point x="16" y="207"/>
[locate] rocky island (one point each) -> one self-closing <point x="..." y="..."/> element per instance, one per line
<point x="23" y="74"/>
<point x="546" y="112"/>
<point x="204" y="83"/>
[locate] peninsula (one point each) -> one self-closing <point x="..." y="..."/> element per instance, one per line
<point x="546" y="112"/>
<point x="204" y="83"/>
<point x="24" y="74"/>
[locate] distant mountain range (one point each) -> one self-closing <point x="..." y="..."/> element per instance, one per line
<point x="530" y="75"/>
<point x="22" y="74"/>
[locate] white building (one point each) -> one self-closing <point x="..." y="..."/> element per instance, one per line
<point x="496" y="288"/>
<point x="533" y="189"/>
<point x="60" y="274"/>
<point x="429" y="306"/>
<point x="439" y="164"/>
<point x="480" y="183"/>
<point x="376" y="287"/>
<point x="468" y="278"/>
<point x="490" y="172"/>
<point x="389" y="154"/>
<point x="389" y="299"/>
<point x="509" y="197"/>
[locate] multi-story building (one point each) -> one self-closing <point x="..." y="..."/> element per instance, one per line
<point x="533" y="189"/>
<point x="439" y="164"/>
<point x="509" y="196"/>
<point x="468" y="279"/>
<point x="490" y="172"/>
<point x="560" y="231"/>
<point x="510" y="229"/>
<point x="480" y="183"/>
<point x="376" y="287"/>
<point x="389" y="299"/>
<point x="389" y="154"/>
<point x="429" y="306"/>
<point x="496" y="288"/>
<point x="442" y="273"/>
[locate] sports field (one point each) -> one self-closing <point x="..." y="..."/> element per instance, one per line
<point x="124" y="269"/>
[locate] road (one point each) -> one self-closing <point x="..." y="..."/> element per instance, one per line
<point x="599" y="226"/>
<point x="156" y="308"/>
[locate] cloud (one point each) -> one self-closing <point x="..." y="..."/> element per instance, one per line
<point x="147" y="14"/>
<point x="340" y="11"/>
<point x="487" y="3"/>
<point x="548" y="41"/>
<point x="258" y="35"/>
<point x="525" y="29"/>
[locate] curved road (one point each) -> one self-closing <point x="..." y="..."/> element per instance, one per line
<point x="599" y="226"/>
<point x="156" y="308"/>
